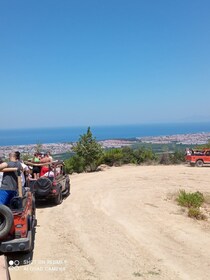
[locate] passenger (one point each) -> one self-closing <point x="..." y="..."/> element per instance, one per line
<point x="49" y="174"/>
<point x="9" y="185"/>
<point x="25" y="168"/>
<point x="36" y="169"/>
<point x="49" y="156"/>
<point x="45" y="168"/>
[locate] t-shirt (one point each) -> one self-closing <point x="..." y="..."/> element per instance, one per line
<point x="1" y="176"/>
<point x="36" y="159"/>
<point x="10" y="179"/>
<point x="25" y="168"/>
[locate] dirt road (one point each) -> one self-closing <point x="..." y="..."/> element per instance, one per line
<point x="122" y="223"/>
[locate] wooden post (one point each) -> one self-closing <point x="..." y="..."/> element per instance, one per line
<point x="20" y="188"/>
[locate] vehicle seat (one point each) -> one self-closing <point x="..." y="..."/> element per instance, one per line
<point x="16" y="203"/>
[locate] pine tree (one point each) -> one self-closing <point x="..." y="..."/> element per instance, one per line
<point x="89" y="150"/>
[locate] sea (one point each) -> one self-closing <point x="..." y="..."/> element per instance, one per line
<point x="9" y="137"/>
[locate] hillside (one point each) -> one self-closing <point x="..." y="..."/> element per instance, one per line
<point x="122" y="223"/>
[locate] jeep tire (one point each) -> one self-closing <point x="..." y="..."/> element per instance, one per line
<point x="199" y="163"/>
<point x="58" y="199"/>
<point x="6" y="220"/>
<point x="67" y="187"/>
<point x="42" y="186"/>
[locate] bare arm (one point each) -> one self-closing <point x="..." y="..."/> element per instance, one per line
<point x="43" y="160"/>
<point x="3" y="165"/>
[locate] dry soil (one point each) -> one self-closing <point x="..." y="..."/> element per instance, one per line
<point x="122" y="223"/>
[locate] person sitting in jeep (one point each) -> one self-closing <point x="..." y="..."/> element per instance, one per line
<point x="45" y="168"/>
<point x="9" y="185"/>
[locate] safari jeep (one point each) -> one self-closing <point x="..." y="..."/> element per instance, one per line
<point x="17" y="221"/>
<point x="198" y="157"/>
<point x="50" y="187"/>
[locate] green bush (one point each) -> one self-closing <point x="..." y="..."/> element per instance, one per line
<point x="189" y="200"/>
<point x="177" y="157"/>
<point x="112" y="157"/>
<point x="75" y="164"/>
<point x="193" y="201"/>
<point x="196" y="213"/>
<point x="119" y="156"/>
<point x="143" y="155"/>
<point x="128" y="155"/>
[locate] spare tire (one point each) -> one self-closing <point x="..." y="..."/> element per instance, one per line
<point x="6" y="220"/>
<point x="42" y="186"/>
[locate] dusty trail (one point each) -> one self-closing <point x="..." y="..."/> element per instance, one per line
<point x="123" y="223"/>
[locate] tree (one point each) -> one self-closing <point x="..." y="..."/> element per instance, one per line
<point x="89" y="150"/>
<point x="74" y="164"/>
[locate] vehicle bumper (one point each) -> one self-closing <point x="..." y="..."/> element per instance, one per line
<point x="16" y="245"/>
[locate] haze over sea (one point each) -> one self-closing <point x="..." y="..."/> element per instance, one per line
<point x="71" y="134"/>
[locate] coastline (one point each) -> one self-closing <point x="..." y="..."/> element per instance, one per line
<point x="61" y="148"/>
<point x="71" y="134"/>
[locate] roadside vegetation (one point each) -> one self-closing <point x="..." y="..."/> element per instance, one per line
<point x="88" y="154"/>
<point x="200" y="147"/>
<point x="192" y="201"/>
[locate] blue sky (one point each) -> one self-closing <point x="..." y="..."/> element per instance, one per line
<point x="102" y="62"/>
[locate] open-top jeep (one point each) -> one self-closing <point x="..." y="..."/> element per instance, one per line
<point x="17" y="221"/>
<point x="53" y="185"/>
<point x="198" y="157"/>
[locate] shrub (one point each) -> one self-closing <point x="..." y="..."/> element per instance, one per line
<point x="177" y="157"/>
<point x="128" y="155"/>
<point x="193" y="201"/>
<point x="165" y="159"/>
<point x="113" y="157"/>
<point x="196" y="213"/>
<point x="189" y="200"/>
<point x="75" y="164"/>
<point x="142" y="155"/>
<point x="119" y="156"/>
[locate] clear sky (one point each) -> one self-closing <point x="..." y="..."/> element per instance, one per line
<point x="102" y="62"/>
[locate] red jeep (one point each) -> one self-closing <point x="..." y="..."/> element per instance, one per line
<point x="198" y="157"/>
<point x="17" y="221"/>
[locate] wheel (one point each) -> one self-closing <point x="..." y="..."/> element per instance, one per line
<point x="34" y="211"/>
<point x="33" y="206"/>
<point x="30" y="225"/>
<point x="6" y="220"/>
<point x="58" y="199"/>
<point x="199" y="163"/>
<point x="67" y="187"/>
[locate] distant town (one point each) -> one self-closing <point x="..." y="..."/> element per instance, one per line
<point x="186" y="139"/>
<point x="61" y="148"/>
